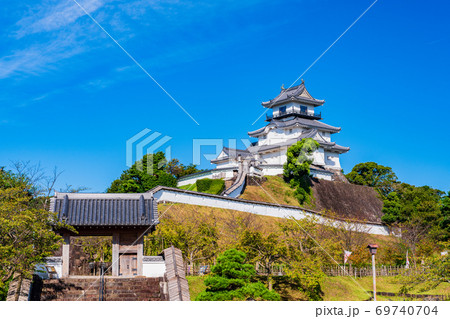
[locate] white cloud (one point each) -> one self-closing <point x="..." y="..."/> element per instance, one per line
<point x="53" y="15"/>
<point x="54" y="31"/>
<point x="40" y="58"/>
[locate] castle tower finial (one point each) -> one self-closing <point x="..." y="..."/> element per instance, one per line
<point x="303" y="81"/>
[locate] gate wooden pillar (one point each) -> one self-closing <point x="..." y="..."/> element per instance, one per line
<point x="65" y="256"/>
<point x="140" y="255"/>
<point x="115" y="254"/>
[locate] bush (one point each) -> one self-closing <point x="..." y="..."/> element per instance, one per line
<point x="231" y="279"/>
<point x="204" y="184"/>
<point x="296" y="170"/>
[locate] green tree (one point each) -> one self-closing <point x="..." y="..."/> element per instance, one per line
<point x="26" y="228"/>
<point x="374" y="175"/>
<point x="436" y="271"/>
<point x="177" y="169"/>
<point x="231" y="279"/>
<point x="416" y="210"/>
<point x="195" y="235"/>
<point x="296" y="170"/>
<point x="267" y="250"/>
<point x="408" y="202"/>
<point x="144" y="175"/>
<point x="444" y="221"/>
<point x="307" y="244"/>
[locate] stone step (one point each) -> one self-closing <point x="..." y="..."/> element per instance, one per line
<point x="127" y="289"/>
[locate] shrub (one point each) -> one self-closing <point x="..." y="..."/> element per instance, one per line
<point x="231" y="279"/>
<point x="296" y="170"/>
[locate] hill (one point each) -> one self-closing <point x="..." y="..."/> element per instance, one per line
<point x="343" y="199"/>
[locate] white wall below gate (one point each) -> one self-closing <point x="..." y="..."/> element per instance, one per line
<point x="153" y="267"/>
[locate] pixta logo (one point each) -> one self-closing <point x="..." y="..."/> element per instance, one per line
<point x="146" y="142"/>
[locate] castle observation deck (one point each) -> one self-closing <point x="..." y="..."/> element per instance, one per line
<point x="298" y="113"/>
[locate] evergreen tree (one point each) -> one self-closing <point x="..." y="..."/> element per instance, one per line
<point x="231" y="279"/>
<point x="144" y="175"/>
<point x="373" y="175"/>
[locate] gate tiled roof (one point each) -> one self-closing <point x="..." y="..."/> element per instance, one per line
<point x="105" y="209"/>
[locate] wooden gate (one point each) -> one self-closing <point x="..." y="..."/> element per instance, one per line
<point x="128" y="265"/>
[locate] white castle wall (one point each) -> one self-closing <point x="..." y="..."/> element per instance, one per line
<point x="267" y="209"/>
<point x="193" y="179"/>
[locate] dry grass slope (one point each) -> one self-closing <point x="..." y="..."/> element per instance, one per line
<point x="342" y="199"/>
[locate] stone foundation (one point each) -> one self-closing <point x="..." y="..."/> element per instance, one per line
<point x="115" y="289"/>
<point x="255" y="181"/>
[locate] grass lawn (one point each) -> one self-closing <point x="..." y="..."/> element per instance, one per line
<point x="339" y="289"/>
<point x="189" y="187"/>
<point x="275" y="190"/>
<point x="196" y="285"/>
<point x="344" y="288"/>
<point x="209" y="186"/>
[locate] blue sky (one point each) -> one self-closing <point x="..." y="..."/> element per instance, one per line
<point x="70" y="97"/>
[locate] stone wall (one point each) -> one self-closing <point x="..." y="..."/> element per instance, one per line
<point x="115" y="289"/>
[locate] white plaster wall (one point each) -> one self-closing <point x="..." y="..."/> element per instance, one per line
<point x="230" y="164"/>
<point x="225" y="174"/>
<point x="222" y="154"/>
<point x="319" y="156"/>
<point x="41" y="270"/>
<point x="275" y="158"/>
<point x="255" y="171"/>
<point x="271" y="171"/>
<point x="326" y="135"/>
<point x="153" y="269"/>
<point x="257" y="208"/>
<point x="276" y="136"/>
<point x="279" y="158"/>
<point x="332" y="160"/>
<point x="321" y="175"/>
<point x="262" y="140"/>
<point x="193" y="179"/>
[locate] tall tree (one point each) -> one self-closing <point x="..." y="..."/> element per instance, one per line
<point x="195" y="235"/>
<point x="231" y="279"/>
<point x="374" y="175"/>
<point x="305" y="242"/>
<point x="416" y="210"/>
<point x="177" y="169"/>
<point x="26" y="228"/>
<point x="266" y="250"/>
<point x="296" y="169"/>
<point x="444" y="222"/>
<point x="436" y="271"/>
<point x="144" y="175"/>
